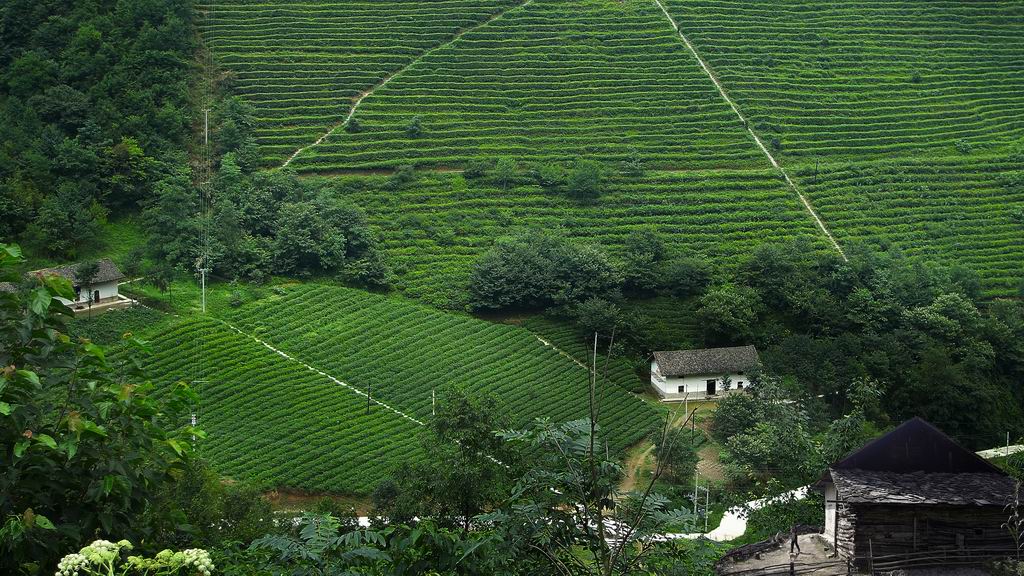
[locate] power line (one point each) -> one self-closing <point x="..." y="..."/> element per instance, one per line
<point x="204" y="178"/>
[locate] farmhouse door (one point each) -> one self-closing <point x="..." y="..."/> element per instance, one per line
<point x="711" y="387"/>
<point x="96" y="296"/>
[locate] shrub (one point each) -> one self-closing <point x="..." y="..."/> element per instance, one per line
<point x="353" y="126"/>
<point x="633" y="165"/>
<point x="538" y="270"/>
<point x="550" y="175"/>
<point x="415" y="128"/>
<point x="477" y="168"/>
<point x="404" y="176"/>
<point x="685" y="277"/>
<point x="585" y="179"/>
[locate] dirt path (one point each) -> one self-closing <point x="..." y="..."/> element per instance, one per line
<point x="710" y="464"/>
<point x="635" y="464"/>
<point x="383" y="82"/>
<point x="746" y="125"/>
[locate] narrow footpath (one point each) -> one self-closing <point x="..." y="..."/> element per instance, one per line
<point x="383" y="82"/>
<point x="746" y="125"/>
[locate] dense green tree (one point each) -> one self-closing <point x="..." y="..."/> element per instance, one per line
<point x="85" y="444"/>
<point x="199" y="510"/>
<point x="729" y="314"/>
<point x="172" y="219"/>
<point x="306" y="239"/>
<point x="95" y="100"/>
<point x="585" y="179"/>
<point x="504" y="172"/>
<point x="64" y="223"/>
<point x="675" y="447"/>
<point x="641" y="261"/>
<point x="685" y="277"/>
<point x="539" y="270"/>
<point x="464" y="471"/>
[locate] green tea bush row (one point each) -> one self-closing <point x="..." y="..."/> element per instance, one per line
<point x="328" y="51"/>
<point x="403" y="351"/>
<point x="274" y="422"/>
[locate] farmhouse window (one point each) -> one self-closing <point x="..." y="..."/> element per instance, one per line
<point x="682" y="389"/>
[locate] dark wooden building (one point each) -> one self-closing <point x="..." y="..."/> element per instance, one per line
<point x="915" y="491"/>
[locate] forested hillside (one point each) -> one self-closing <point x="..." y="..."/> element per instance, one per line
<point x="94" y="111"/>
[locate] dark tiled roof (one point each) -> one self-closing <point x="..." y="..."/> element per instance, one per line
<point x="706" y="360"/>
<point x="955" y="489"/>
<point x="108" y="272"/>
<point x="914" y="446"/>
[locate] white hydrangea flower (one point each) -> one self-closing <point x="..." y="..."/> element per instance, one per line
<point x="71" y="564"/>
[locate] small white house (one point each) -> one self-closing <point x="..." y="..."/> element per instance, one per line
<point x="101" y="290"/>
<point x="701" y="374"/>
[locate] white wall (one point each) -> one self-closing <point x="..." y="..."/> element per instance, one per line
<point x="695" y="385"/>
<point x="830" y="512"/>
<point x="107" y="290"/>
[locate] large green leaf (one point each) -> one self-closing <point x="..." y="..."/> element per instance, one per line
<point x="39" y="301"/>
<point x="29" y="376"/>
<point x="44" y="522"/>
<point x="59" y="286"/>
<point x="47" y="440"/>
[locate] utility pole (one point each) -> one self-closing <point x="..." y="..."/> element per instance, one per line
<point x="194" y="419"/>
<point x="202" y="276"/>
<point x="696" y="476"/>
<point x="433" y="403"/>
<point x="707" y="506"/>
<point x="206" y="126"/>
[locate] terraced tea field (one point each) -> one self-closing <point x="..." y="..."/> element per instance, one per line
<point x="959" y="210"/>
<point x="404" y="350"/>
<point x="549" y="81"/>
<point x="284" y="422"/>
<point x="276" y="423"/>
<point x="867" y="78"/>
<point x="302" y="63"/>
<point x="579" y="345"/>
<point x="824" y="84"/>
<point x="434" y="229"/>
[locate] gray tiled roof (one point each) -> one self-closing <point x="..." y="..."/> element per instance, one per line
<point x="108" y="272"/>
<point x="8" y="287"/>
<point x="956" y="489"/>
<point x="706" y="360"/>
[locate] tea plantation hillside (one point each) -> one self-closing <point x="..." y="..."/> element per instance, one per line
<point x="403" y="351"/>
<point x="835" y="90"/>
<point x="434" y="228"/>
<point x="280" y="422"/>
<point x="275" y="422"/>
<point x="968" y="211"/>
<point x="867" y="79"/>
<point x="300" y="63"/>
<point x="549" y="81"/>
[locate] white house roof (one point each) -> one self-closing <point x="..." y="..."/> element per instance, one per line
<point x="706" y="360"/>
<point x="107" y="272"/>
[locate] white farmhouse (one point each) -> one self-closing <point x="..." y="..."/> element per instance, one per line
<point x="99" y="293"/>
<point x="700" y="374"/>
